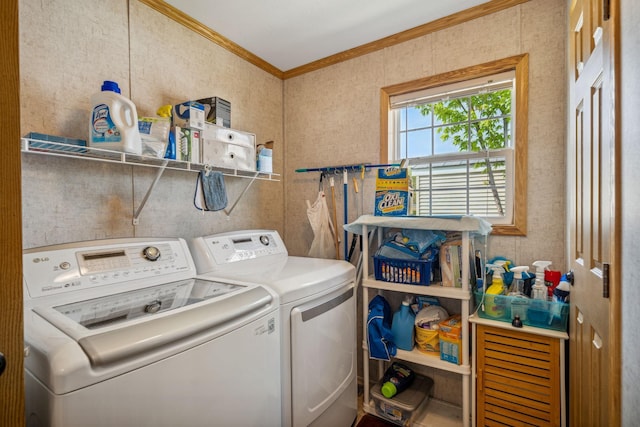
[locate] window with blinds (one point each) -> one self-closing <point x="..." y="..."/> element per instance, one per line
<point x="459" y="142"/>
<point x="464" y="135"/>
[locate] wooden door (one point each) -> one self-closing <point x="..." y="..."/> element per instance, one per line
<point x="11" y="344"/>
<point x="594" y="386"/>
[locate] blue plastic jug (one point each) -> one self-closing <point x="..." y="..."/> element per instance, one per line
<point x="402" y="326"/>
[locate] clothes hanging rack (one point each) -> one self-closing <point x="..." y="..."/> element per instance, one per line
<point x="348" y="168"/>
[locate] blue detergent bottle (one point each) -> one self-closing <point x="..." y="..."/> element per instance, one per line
<point x="397" y="378"/>
<point x="402" y="326"/>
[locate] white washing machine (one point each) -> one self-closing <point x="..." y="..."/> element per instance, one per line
<point x="122" y="333"/>
<point x="318" y="318"/>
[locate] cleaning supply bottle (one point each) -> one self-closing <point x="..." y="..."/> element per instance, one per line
<point x="114" y="121"/>
<point x="518" y="301"/>
<point x="493" y="304"/>
<point x="539" y="290"/>
<point x="497" y="285"/>
<point x="517" y="286"/>
<point x="397" y="378"/>
<point x="170" y="152"/>
<point x="402" y="325"/>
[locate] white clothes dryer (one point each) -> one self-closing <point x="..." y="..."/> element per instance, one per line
<point x="318" y="318"/>
<point x="122" y="333"/>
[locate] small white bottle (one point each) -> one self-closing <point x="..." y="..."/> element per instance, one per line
<point x="114" y="121"/>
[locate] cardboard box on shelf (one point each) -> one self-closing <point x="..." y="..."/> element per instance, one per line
<point x="451" y="339"/>
<point x="187" y="144"/>
<point x="217" y="111"/>
<point x="393" y="192"/>
<point x="189" y="114"/>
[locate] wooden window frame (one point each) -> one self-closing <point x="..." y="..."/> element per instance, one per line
<point x="519" y="64"/>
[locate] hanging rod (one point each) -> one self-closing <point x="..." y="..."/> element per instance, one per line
<point x="353" y="168"/>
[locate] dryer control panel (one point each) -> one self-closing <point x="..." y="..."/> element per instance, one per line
<point x="226" y="248"/>
<point x="68" y="267"/>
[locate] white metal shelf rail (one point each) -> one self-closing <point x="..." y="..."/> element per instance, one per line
<point x="59" y="149"/>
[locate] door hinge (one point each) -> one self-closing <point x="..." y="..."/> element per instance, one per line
<point x="605" y="280"/>
<point x="606" y="10"/>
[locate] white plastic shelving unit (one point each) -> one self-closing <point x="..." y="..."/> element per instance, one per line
<point x="437" y="413"/>
<point x="59" y="149"/>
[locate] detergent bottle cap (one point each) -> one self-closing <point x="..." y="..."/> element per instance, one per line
<point x="108" y="85"/>
<point x="388" y="389"/>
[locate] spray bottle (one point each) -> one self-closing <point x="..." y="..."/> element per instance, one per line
<point x="518" y="301"/>
<point x="493" y="305"/>
<point x="497" y="285"/>
<point x="539" y="290"/>
<point x="517" y="287"/>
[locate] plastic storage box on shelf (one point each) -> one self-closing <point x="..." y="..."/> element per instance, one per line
<point x="402" y="408"/>
<point x="536" y="313"/>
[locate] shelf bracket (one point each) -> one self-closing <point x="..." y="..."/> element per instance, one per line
<point x="136" y="215"/>
<point x="228" y="211"/>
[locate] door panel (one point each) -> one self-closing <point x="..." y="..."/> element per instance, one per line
<point x="11" y="329"/>
<point x="323" y="352"/>
<point x="594" y="329"/>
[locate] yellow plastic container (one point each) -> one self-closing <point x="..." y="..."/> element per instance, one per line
<point x="427" y="340"/>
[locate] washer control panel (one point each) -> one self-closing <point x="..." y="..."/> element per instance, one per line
<point x="61" y="268"/>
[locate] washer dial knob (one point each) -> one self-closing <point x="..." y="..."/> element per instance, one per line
<point x="153" y="307"/>
<point x="264" y="239"/>
<point x="151" y="253"/>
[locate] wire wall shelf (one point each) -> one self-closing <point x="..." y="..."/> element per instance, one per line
<point x="59" y="149"/>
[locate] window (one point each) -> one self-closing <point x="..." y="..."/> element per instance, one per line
<point x="463" y="134"/>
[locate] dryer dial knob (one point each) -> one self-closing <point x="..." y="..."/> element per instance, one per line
<point x="151" y="253"/>
<point x="153" y="307"/>
<point x="264" y="239"/>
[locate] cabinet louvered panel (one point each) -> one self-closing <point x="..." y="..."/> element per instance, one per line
<point x="518" y="381"/>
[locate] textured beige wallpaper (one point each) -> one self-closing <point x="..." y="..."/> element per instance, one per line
<point x="67" y="48"/>
<point x="332" y="118"/>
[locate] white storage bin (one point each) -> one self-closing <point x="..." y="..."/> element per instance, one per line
<point x="228" y="148"/>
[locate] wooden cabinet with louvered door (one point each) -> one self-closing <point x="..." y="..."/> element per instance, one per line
<point x="519" y="378"/>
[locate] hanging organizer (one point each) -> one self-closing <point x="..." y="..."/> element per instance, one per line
<point x="358" y="167"/>
<point x="344" y="170"/>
